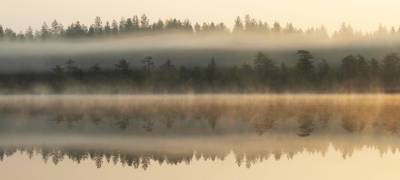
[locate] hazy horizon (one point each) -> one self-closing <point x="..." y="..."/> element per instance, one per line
<point x="183" y="89"/>
<point x="362" y="15"/>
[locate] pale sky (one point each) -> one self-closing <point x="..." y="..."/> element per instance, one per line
<point x="362" y="14"/>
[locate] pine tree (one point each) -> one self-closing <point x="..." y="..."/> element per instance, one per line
<point x="211" y="71"/>
<point x="1" y="32"/>
<point x="98" y="26"/>
<point x="114" y="27"/>
<point x="45" y="32"/>
<point x="107" y="28"/>
<point x="305" y="66"/>
<point x="29" y="34"/>
<point x="144" y="23"/>
<point x="238" y="25"/>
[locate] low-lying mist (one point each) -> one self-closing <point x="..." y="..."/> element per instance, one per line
<point x="301" y="115"/>
<point x="182" y="49"/>
<point x="132" y="130"/>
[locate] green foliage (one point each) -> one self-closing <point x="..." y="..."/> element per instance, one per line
<point x="265" y="69"/>
<point x="355" y="73"/>
<point x="305" y="66"/>
<point x="391" y="70"/>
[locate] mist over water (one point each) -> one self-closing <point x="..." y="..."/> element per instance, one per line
<point x="140" y="98"/>
<point x="148" y="133"/>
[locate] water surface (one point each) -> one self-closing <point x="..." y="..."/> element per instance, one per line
<point x="200" y="137"/>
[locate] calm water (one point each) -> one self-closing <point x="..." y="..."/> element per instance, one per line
<point x="200" y="137"/>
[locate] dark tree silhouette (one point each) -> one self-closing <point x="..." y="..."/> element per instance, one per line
<point x="239" y="27"/>
<point x="266" y="70"/>
<point x="123" y="66"/>
<point x="211" y="71"/>
<point x="354" y="73"/>
<point x="305" y="65"/>
<point x="148" y="65"/>
<point x="391" y="71"/>
<point x="1" y="32"/>
<point x="142" y="24"/>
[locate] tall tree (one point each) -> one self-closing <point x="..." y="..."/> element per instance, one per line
<point x="266" y="69"/>
<point x="284" y="76"/>
<point x="211" y="71"/>
<point x="305" y="66"/>
<point x="72" y="69"/>
<point x="29" y="34"/>
<point x="76" y="30"/>
<point x="158" y="26"/>
<point x="1" y="32"/>
<point x="144" y="22"/>
<point x="114" y="27"/>
<point x="91" y="32"/>
<point x="238" y="27"/>
<point x="375" y="68"/>
<point x="197" y="28"/>
<point x="276" y="28"/>
<point x="10" y="34"/>
<point x="250" y="23"/>
<point x="148" y="65"/>
<point x="21" y="36"/>
<point x="45" y="32"/>
<point x="374" y="73"/>
<point x="324" y="75"/>
<point x="129" y="25"/>
<point x="391" y="71"/>
<point x="168" y="74"/>
<point x="98" y="26"/>
<point x="135" y="23"/>
<point x="123" y="66"/>
<point x="107" y="28"/>
<point x="122" y="25"/>
<point x="57" y="29"/>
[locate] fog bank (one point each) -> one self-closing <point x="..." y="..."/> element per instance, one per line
<point x="188" y="50"/>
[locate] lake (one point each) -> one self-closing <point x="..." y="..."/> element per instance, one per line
<point x="200" y="136"/>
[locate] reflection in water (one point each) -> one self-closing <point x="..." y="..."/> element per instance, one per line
<point x="302" y="115"/>
<point x="138" y="152"/>
<point x="139" y="130"/>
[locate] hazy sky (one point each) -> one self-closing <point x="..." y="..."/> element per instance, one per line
<point x="362" y="14"/>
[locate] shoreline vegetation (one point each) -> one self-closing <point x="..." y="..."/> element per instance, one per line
<point x="355" y="74"/>
<point x="347" y="72"/>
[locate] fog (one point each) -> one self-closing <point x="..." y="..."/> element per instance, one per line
<point x="177" y="115"/>
<point x="138" y="130"/>
<point x="183" y="49"/>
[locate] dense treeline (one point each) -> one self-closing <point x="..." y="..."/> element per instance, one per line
<point x="262" y="74"/>
<point x="142" y="24"/>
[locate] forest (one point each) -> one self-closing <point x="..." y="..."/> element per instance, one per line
<point x="142" y="25"/>
<point x="157" y="65"/>
<point x="355" y="73"/>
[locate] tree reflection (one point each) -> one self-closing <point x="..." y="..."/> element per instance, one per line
<point x="300" y="118"/>
<point x="144" y="159"/>
<point x="303" y="116"/>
